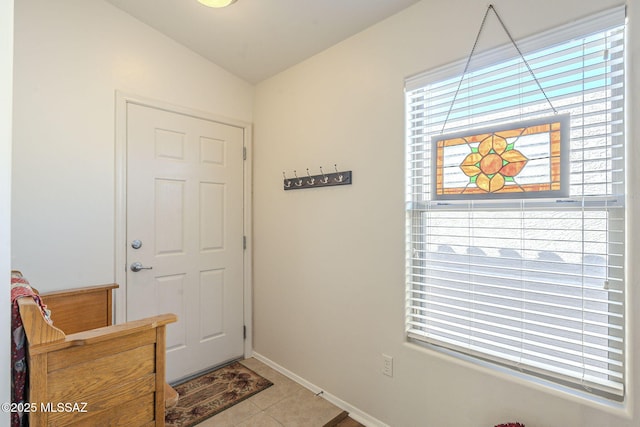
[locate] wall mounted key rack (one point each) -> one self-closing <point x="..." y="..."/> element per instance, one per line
<point x="314" y="181"/>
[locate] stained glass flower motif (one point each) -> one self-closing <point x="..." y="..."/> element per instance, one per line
<point x="518" y="160"/>
<point x="493" y="163"/>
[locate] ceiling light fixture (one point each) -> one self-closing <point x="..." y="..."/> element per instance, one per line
<point x="217" y="3"/>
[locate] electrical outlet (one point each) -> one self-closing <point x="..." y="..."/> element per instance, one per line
<point x="387" y="365"/>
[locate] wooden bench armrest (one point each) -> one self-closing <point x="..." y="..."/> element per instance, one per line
<point x="131" y="327"/>
<point x="114" y="331"/>
<point x="104" y="334"/>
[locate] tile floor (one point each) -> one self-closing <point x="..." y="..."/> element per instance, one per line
<point x="284" y="404"/>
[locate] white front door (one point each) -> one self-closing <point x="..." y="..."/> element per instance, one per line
<point x="185" y="229"/>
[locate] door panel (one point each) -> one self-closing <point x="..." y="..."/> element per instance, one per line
<point x="185" y="203"/>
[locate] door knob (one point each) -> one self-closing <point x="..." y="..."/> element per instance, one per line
<point x="137" y="266"/>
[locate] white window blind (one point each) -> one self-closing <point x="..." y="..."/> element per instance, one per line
<point x="534" y="284"/>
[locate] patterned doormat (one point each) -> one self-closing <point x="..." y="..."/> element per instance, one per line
<point x="213" y="392"/>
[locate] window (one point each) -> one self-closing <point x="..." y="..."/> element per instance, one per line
<point x="536" y="284"/>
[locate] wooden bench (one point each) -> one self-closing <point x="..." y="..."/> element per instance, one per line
<point x="109" y="375"/>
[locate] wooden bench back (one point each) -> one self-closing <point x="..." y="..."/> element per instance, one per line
<point x="81" y="309"/>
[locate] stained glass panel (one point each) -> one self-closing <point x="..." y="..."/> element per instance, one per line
<point x="518" y="160"/>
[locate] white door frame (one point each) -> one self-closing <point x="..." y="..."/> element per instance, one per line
<point x="120" y="300"/>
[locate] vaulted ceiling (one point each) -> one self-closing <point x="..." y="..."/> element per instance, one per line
<point x="256" y="39"/>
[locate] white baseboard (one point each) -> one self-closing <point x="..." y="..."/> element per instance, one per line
<point x="355" y="413"/>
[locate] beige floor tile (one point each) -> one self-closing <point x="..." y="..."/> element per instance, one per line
<point x="232" y="416"/>
<point x="303" y="409"/>
<point x="282" y="388"/>
<point x="260" y="420"/>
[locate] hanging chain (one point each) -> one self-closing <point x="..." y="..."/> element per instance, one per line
<point x="466" y="67"/>
<point x="473" y="50"/>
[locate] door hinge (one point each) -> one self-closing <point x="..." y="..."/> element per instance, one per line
<point x="244" y="332"/>
<point x="244" y="242"/>
<point x="244" y="153"/>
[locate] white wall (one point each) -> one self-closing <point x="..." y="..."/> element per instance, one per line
<point x="6" y="83"/>
<point x="70" y="58"/>
<point x="329" y="263"/>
